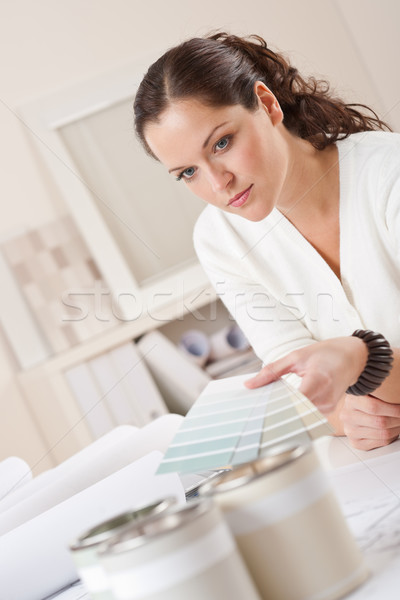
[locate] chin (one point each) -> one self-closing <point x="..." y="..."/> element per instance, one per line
<point x="256" y="219"/>
<point x="255" y="215"/>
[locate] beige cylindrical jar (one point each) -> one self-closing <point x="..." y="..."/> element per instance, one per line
<point x="289" y="527"/>
<point x="85" y="549"/>
<point x="186" y="552"/>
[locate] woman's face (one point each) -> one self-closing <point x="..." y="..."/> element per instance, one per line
<point x="230" y="157"/>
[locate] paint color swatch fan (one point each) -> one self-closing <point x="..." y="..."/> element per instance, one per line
<point x="230" y="424"/>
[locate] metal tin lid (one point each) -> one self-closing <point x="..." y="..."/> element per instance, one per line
<point x="278" y="457"/>
<point x="161" y="524"/>
<point x="108" y="529"/>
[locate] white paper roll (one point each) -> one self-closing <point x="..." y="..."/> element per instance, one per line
<point x="35" y="560"/>
<point x="103" y="444"/>
<point x="14" y="473"/>
<point x="89" y="467"/>
<point x="196" y="345"/>
<point x="158" y="434"/>
<point x="227" y="341"/>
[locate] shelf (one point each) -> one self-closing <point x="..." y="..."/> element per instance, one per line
<point x="185" y="292"/>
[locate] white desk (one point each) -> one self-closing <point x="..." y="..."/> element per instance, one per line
<point x="367" y="485"/>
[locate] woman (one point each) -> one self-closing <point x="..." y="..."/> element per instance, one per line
<point x="301" y="233"/>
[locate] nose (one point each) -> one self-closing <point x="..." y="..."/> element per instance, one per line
<point x="219" y="178"/>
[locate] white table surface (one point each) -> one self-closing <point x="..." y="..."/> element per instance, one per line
<point x="367" y="485"/>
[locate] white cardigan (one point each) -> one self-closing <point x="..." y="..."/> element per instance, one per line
<point x="277" y="286"/>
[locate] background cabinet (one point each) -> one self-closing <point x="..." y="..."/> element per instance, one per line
<point x="64" y="424"/>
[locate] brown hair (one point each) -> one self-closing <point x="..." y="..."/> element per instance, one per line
<point x="221" y="70"/>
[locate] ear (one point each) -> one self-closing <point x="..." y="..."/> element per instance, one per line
<point x="268" y="102"/>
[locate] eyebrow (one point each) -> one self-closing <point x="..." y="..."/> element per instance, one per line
<point x="204" y="145"/>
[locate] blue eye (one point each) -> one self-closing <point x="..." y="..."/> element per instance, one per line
<point x="222" y="143"/>
<point x="186" y="174"/>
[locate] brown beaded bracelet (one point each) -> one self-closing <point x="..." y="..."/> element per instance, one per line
<point x="379" y="363"/>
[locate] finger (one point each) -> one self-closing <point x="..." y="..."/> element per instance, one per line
<point x="270" y="372"/>
<point x="369" y="443"/>
<point x="355" y="417"/>
<point x="383" y="436"/>
<point x="374" y="406"/>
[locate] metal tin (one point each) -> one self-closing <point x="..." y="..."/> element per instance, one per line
<point x="187" y="552"/>
<point x="85" y="549"/>
<point x="289" y="527"/>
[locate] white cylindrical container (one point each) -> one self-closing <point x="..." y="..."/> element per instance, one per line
<point x="196" y="345"/>
<point x="187" y="552"/>
<point x="289" y="527"/>
<point x="227" y="341"/>
<point x="85" y="549"/>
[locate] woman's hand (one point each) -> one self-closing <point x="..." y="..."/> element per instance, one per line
<point x="327" y="369"/>
<point x="369" y="422"/>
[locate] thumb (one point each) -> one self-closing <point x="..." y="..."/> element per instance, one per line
<point x="270" y="372"/>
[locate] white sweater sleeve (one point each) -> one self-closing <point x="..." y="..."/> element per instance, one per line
<point x="270" y="326"/>
<point x="390" y="194"/>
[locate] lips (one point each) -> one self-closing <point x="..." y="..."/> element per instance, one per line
<point x="240" y="198"/>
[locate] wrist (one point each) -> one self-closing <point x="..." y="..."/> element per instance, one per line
<point x="358" y="356"/>
<point x="335" y="420"/>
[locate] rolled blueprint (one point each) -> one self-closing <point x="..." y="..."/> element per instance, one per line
<point x="87" y="468"/>
<point x="116" y="435"/>
<point x="227" y="341"/>
<point x="14" y="473"/>
<point x="196" y="345"/>
<point x="35" y="560"/>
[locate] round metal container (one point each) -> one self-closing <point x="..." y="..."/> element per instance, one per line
<point x="85" y="549"/>
<point x="289" y="527"/>
<point x="187" y="552"/>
